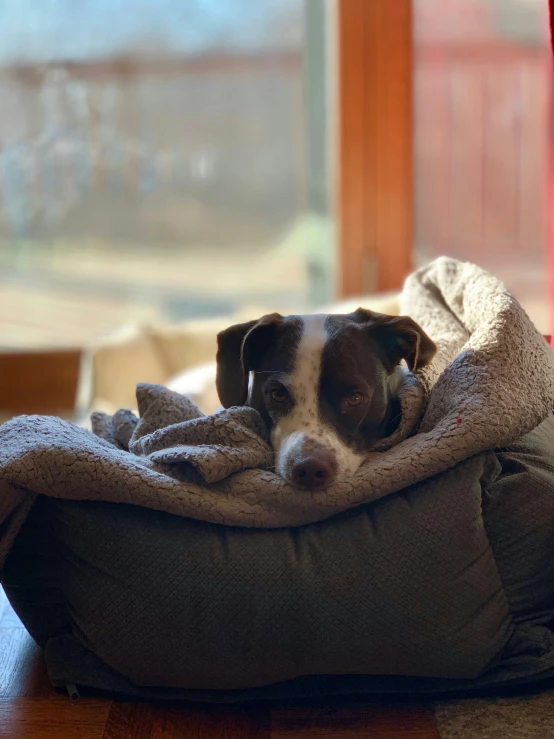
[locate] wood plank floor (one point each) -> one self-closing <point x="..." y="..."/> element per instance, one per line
<point x="31" y="709"/>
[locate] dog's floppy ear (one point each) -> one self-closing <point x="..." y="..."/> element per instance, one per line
<point x="240" y="348"/>
<point x="400" y="338"/>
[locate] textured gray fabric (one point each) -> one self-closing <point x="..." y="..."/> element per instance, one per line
<point x="404" y="595"/>
<point x="492" y="381"/>
<point x="369" y="591"/>
<point x="518" y="512"/>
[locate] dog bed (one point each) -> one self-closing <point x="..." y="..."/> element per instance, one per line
<point x="430" y="570"/>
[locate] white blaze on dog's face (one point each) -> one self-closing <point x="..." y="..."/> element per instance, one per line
<point x="302" y="431"/>
<point x="325" y="385"/>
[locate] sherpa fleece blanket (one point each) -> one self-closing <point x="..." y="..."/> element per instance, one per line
<point x="491" y="382"/>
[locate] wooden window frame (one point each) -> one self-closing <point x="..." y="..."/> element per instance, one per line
<point x="375" y="147"/>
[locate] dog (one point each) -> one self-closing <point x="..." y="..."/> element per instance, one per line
<point x="325" y="384"/>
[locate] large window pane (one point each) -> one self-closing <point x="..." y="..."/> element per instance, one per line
<point x="482" y="97"/>
<point x="158" y="161"/>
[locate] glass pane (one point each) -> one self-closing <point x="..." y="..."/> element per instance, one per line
<point x="159" y="161"/>
<point x="482" y="97"/>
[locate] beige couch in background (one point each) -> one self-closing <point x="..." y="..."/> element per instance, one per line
<point x="180" y="356"/>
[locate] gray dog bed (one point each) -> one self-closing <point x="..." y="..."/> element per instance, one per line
<point x="447" y="585"/>
<point x="163" y="558"/>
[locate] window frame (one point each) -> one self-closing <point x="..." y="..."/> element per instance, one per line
<point x="375" y="145"/>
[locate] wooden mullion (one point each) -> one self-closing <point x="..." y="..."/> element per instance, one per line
<point x="375" y="200"/>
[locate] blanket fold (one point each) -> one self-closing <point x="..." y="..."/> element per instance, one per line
<point x="491" y="382"/>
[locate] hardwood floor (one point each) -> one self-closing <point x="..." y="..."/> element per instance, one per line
<point x="31" y="709"/>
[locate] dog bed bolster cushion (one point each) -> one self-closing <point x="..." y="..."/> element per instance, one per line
<point x="446" y="585"/>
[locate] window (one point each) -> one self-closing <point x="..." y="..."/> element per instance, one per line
<point x="177" y="161"/>
<point x="482" y="97"/>
<point x="160" y="164"/>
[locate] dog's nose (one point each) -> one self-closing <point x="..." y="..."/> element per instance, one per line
<point x="313" y="472"/>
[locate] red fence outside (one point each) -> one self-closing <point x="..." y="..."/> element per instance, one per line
<point x="481" y="150"/>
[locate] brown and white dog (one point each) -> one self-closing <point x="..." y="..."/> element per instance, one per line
<point x="326" y="385"/>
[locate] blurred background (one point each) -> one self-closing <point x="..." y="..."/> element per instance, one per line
<point x="483" y="97"/>
<point x="164" y="161"/>
<point x="160" y="164"/>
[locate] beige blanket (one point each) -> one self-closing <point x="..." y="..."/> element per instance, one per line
<point x="491" y="382"/>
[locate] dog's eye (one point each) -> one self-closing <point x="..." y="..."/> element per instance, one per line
<point x="353" y="399"/>
<point x="278" y="394"/>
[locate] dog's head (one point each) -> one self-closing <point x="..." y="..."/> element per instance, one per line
<point x="324" y="384"/>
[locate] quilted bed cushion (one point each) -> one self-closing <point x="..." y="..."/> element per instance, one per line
<point x="447" y="585"/>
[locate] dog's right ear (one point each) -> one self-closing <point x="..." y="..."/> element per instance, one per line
<point x="240" y="349"/>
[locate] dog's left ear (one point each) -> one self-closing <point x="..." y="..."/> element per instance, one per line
<point x="400" y="338"/>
